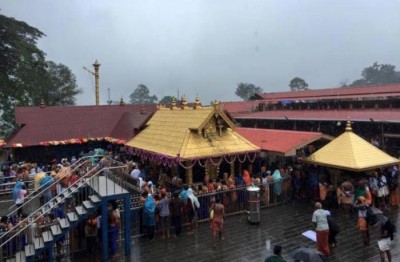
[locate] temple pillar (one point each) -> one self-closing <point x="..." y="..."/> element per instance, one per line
<point x="189" y="173"/>
<point x="233" y="168"/>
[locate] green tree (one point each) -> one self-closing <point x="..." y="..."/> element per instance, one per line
<point x="25" y="75"/>
<point x="141" y="95"/>
<point x="378" y="74"/>
<point x="166" y="100"/>
<point x="59" y="87"/>
<point x="298" y="84"/>
<point x="247" y="90"/>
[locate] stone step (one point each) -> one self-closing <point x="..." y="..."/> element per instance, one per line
<point x="88" y="204"/>
<point x="20" y="256"/>
<point x="95" y="199"/>
<point x="80" y="210"/>
<point x="47" y="236"/>
<point x="64" y="224"/>
<point x="72" y="217"/>
<point x="72" y="190"/>
<point x="55" y="230"/>
<point x="29" y="250"/>
<point x="38" y="243"/>
<point x="52" y="204"/>
<point x="44" y="209"/>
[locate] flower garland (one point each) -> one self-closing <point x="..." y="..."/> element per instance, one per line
<point x="170" y="161"/>
<point x="75" y="141"/>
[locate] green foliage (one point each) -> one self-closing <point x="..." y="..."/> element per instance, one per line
<point x="298" y="84"/>
<point x="141" y="95"/>
<point x="378" y="74"/>
<point x="247" y="90"/>
<point x="166" y="100"/>
<point x="25" y="75"/>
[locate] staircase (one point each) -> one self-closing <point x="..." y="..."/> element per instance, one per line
<point x="91" y="191"/>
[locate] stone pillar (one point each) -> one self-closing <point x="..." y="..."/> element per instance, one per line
<point x="233" y="168"/>
<point x="189" y="173"/>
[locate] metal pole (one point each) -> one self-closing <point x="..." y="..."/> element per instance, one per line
<point x="96" y="66"/>
<point x="127" y="226"/>
<point x="104" y="229"/>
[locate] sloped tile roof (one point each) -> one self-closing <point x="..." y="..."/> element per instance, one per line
<point x="332" y="93"/>
<point x="180" y="133"/>
<point x="350" y="152"/>
<point x="377" y="115"/>
<point x="70" y="122"/>
<point x="280" y="141"/>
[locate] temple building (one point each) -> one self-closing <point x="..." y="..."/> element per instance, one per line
<point x="192" y="137"/>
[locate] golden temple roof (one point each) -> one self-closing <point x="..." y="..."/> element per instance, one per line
<point x="351" y="152"/>
<point x="191" y="132"/>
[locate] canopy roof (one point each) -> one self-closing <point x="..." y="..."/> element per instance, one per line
<point x="191" y="133"/>
<point x="283" y="142"/>
<point x="351" y="152"/>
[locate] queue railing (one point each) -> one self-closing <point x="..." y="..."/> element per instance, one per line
<point x="23" y="228"/>
<point x="41" y="190"/>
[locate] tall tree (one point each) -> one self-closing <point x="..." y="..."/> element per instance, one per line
<point x="247" y="90"/>
<point x="25" y="75"/>
<point x="141" y="95"/>
<point x="298" y="84"/>
<point x="59" y="88"/>
<point x="378" y="74"/>
<point x="166" y="100"/>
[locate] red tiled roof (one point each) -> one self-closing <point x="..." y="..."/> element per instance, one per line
<point x="69" y="122"/>
<point x="332" y="93"/>
<point x="238" y="107"/>
<point x="128" y="124"/>
<point x="376" y="115"/>
<point x="280" y="141"/>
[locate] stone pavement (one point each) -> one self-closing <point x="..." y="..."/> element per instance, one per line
<point x="282" y="225"/>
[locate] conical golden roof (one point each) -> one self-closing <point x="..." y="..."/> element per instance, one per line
<point x="190" y="133"/>
<point x="351" y="152"/>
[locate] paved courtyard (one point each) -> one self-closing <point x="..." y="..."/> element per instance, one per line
<point x="282" y="225"/>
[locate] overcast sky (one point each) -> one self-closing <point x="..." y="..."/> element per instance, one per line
<point x="206" y="47"/>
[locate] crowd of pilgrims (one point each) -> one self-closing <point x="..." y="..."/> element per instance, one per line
<point x="167" y="202"/>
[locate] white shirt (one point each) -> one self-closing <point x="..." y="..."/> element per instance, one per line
<point x="21" y="197"/>
<point x="135" y="173"/>
<point x="319" y="217"/>
<point x="141" y="182"/>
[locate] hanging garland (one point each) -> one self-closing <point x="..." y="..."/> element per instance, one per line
<point x="205" y="163"/>
<point x="242" y="161"/>
<point x="187" y="167"/>
<point x="169" y="161"/>
<point x="74" y="141"/>
<point x="230" y="162"/>
<point x="215" y="164"/>
<point x="254" y="158"/>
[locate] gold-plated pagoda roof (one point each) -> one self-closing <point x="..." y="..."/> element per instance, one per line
<point x="351" y="152"/>
<point x="191" y="133"/>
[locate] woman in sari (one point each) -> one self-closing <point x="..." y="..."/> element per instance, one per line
<point x="149" y="216"/>
<point x="277" y="179"/>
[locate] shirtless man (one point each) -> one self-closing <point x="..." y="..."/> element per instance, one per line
<point x="114" y="221"/>
<point x="217" y="221"/>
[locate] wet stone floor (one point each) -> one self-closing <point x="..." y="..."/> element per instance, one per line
<point x="282" y="225"/>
